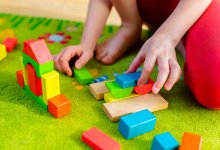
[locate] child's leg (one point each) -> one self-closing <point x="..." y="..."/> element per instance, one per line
<point x="129" y="33"/>
<point x="202" y="73"/>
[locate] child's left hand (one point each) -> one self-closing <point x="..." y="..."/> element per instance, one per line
<point x="158" y="49"/>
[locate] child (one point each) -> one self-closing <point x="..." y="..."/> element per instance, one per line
<point x="192" y="25"/>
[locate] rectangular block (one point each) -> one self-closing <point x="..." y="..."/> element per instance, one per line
<point x="98" y="140"/>
<point x="51" y="85"/>
<point x="128" y="80"/>
<point x="33" y="81"/>
<point x="137" y="123"/>
<point x="191" y="142"/>
<point x="152" y="102"/>
<point x="164" y="141"/>
<point x="109" y="98"/>
<point x="98" y="90"/>
<point x="83" y="76"/>
<point x="59" y="106"/>
<point x="10" y="43"/>
<point x="20" y="78"/>
<point x="3" y="52"/>
<point x="23" y="71"/>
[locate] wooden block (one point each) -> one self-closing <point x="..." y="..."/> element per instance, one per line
<point x="51" y="85"/>
<point x="59" y="106"/>
<point x="109" y="98"/>
<point x="20" y="78"/>
<point x="98" y="90"/>
<point x="191" y="142"/>
<point x="98" y="140"/>
<point x="146" y="88"/>
<point x="137" y="123"/>
<point x="164" y="141"/>
<point x="23" y="71"/>
<point x="33" y="81"/>
<point x="152" y="102"/>
<point x="10" y="43"/>
<point x="83" y="76"/>
<point x="3" y="52"/>
<point x="116" y="91"/>
<point x="128" y="80"/>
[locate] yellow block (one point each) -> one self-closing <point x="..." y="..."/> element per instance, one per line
<point x="23" y="71"/>
<point x="6" y="34"/>
<point x="50" y="85"/>
<point x="3" y="52"/>
<point x="109" y="98"/>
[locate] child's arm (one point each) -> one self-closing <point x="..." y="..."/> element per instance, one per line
<point x="160" y="48"/>
<point x="96" y="17"/>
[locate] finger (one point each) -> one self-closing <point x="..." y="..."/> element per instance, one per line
<point x="57" y="64"/>
<point x="148" y="67"/>
<point x="83" y="59"/>
<point x="163" y="67"/>
<point x="175" y="73"/>
<point x="136" y="63"/>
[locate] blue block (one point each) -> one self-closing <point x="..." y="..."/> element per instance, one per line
<point x="101" y="79"/>
<point x="164" y="141"/>
<point x="128" y="80"/>
<point x="136" y="124"/>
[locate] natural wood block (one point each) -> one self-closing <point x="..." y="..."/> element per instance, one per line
<point x="98" y="90"/>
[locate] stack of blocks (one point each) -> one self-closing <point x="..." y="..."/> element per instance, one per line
<point x="7" y="46"/>
<point x="39" y="78"/>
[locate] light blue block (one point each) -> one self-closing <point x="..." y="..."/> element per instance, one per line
<point x="135" y="124"/>
<point x="128" y="80"/>
<point x="164" y="141"/>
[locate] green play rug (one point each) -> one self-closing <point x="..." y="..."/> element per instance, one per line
<point x="24" y="124"/>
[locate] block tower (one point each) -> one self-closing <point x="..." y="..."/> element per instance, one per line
<point x="39" y="78"/>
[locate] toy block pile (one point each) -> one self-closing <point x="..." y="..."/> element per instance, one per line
<point x="7" y="45"/>
<point x="39" y="78"/>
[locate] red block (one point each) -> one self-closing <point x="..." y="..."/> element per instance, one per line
<point x="10" y="43"/>
<point x="98" y="140"/>
<point x="145" y="88"/>
<point x="59" y="106"/>
<point x="20" y="78"/>
<point x="33" y="81"/>
<point x="38" y="51"/>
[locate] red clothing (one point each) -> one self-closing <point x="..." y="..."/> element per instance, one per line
<point x="202" y="43"/>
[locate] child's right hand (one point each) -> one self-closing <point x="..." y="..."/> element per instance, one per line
<point x="62" y="59"/>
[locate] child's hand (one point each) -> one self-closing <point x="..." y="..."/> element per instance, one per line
<point x="62" y="59"/>
<point x="160" y="50"/>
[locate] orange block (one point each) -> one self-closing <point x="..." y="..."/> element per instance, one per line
<point x="20" y="78"/>
<point x="59" y="106"/>
<point x="191" y="142"/>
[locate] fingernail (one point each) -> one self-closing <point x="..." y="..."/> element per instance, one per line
<point x="78" y="65"/>
<point x="156" y="90"/>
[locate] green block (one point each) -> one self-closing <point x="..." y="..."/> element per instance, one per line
<point x="83" y="76"/>
<point x="39" y="99"/>
<point x="39" y="68"/>
<point x="116" y="91"/>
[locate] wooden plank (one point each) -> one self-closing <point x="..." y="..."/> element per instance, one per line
<point x="98" y="90"/>
<point x="152" y="102"/>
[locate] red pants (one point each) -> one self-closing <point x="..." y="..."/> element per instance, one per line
<point x="202" y="43"/>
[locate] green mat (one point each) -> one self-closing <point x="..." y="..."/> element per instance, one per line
<point x="24" y="124"/>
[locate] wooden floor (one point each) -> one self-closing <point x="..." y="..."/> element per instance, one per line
<point x="64" y="9"/>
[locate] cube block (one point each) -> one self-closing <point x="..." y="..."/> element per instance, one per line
<point x="51" y="85"/>
<point x="191" y="142"/>
<point x="10" y="43"/>
<point x="98" y="90"/>
<point x="83" y="76"/>
<point x="116" y="91"/>
<point x="128" y="80"/>
<point x="137" y="123"/>
<point x="3" y="52"/>
<point x="20" y="78"/>
<point x="59" y="106"/>
<point x="164" y="141"/>
<point x="98" y="140"/>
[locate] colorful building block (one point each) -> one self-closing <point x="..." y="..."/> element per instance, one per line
<point x="137" y="123"/>
<point x="38" y="51"/>
<point x="33" y="81"/>
<point x="39" y="68"/>
<point x="117" y="109"/>
<point x="98" y="140"/>
<point x="10" y="43"/>
<point x="128" y="80"/>
<point x="59" y="106"/>
<point x="3" y="52"/>
<point x="98" y="90"/>
<point x="164" y="141"/>
<point x="191" y="142"/>
<point x="101" y="79"/>
<point x="116" y="91"/>
<point x="109" y="98"/>
<point x="20" y="78"/>
<point x="23" y="71"/>
<point x="51" y="85"/>
<point x="146" y="88"/>
<point x="83" y="76"/>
